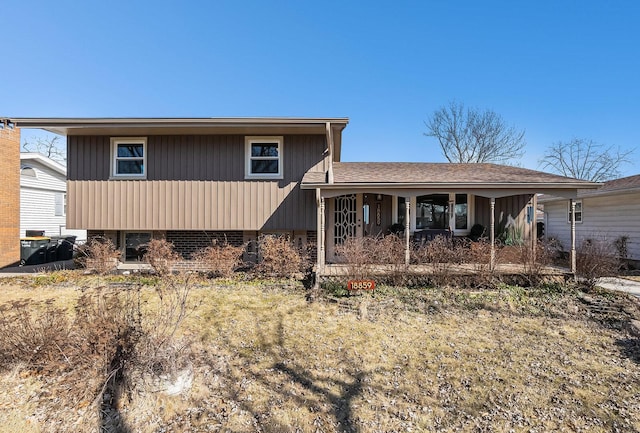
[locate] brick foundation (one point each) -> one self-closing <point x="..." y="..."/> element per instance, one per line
<point x="189" y="242"/>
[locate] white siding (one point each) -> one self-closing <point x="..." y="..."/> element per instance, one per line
<point x="604" y="217"/>
<point x="38" y="197"/>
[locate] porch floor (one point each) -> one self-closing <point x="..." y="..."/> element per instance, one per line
<point x="333" y="270"/>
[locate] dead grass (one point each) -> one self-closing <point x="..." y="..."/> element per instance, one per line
<point x="264" y="359"/>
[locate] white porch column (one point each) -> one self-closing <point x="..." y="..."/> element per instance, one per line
<point x="321" y="235"/>
<point x="407" y="231"/>
<point x="492" y="263"/>
<point x="573" y="236"/>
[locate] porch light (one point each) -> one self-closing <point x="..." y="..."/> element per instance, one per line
<point x="378" y="197"/>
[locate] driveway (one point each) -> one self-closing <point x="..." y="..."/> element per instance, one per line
<point x="17" y="271"/>
<point x="620" y="284"/>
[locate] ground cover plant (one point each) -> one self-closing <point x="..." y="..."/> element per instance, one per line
<point x="263" y="358"/>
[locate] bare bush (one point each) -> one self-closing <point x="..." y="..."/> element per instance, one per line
<point x="279" y="257"/>
<point x="220" y="259"/>
<point x="99" y="255"/>
<point x="596" y="259"/>
<point x="358" y="256"/>
<point x="112" y="343"/>
<point x="161" y="256"/>
<point x="533" y="261"/>
<point x="440" y="254"/>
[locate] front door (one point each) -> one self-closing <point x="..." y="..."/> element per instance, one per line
<point x="345" y="221"/>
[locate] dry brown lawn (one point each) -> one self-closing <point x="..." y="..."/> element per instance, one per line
<point x="267" y="359"/>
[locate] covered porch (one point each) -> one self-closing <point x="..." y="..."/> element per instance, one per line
<point x="417" y="201"/>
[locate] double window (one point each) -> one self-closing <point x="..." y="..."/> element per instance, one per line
<point x="129" y="157"/>
<point x="263" y="157"/>
<point x="439" y="211"/>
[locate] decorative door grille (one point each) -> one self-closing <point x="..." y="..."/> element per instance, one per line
<point x="345" y="217"/>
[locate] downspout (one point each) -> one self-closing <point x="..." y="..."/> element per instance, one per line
<point x="329" y="132"/>
<point x="573" y="237"/>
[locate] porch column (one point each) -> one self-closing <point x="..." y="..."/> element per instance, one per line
<point x="407" y="230"/>
<point x="320" y="234"/>
<point x="573" y="236"/>
<point x="492" y="235"/>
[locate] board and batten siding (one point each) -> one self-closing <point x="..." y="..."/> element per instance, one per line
<point x="515" y="205"/>
<point x="193" y="183"/>
<point x="605" y="217"/>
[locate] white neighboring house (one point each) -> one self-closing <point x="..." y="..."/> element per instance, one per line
<point x="611" y="213"/>
<point x="43" y="192"/>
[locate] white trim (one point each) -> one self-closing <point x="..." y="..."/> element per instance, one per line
<point x="248" y="142"/>
<point x="115" y="141"/>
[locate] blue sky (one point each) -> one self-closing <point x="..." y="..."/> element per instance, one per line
<point x="558" y="69"/>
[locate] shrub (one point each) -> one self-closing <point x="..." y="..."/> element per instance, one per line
<point x="220" y="259"/>
<point x="533" y="261"/>
<point x="161" y="255"/>
<point x="279" y="257"/>
<point x="596" y="259"/>
<point x="99" y="255"/>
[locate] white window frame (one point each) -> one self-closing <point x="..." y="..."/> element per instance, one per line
<point x="248" y="142"/>
<point x="581" y="212"/>
<point x="471" y="202"/>
<point x="115" y="141"/>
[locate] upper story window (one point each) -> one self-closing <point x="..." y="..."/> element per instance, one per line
<point x="263" y="157"/>
<point x="129" y="157"/>
<point x="578" y="211"/>
<point x="25" y="170"/>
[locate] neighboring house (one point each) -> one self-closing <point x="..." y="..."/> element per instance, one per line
<point x="43" y="191"/>
<point x="9" y="193"/>
<point x="194" y="180"/>
<point x="609" y="213"/>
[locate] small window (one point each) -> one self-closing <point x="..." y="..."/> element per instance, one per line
<point x="61" y="204"/>
<point x="578" y="211"/>
<point x="129" y="157"/>
<point x="263" y="157"/>
<point x="28" y="171"/>
<point x="135" y="245"/>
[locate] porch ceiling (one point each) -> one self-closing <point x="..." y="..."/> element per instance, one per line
<point x="410" y="179"/>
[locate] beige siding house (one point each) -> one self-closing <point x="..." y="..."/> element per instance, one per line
<point x="610" y="213"/>
<point x="194" y="180"/>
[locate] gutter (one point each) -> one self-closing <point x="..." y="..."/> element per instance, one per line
<point x="475" y="185"/>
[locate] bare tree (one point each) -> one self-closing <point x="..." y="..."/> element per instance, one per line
<point x="471" y="135"/>
<point x="49" y="147"/>
<point x="585" y="159"/>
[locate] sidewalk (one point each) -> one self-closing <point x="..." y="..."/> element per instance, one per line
<point x="620" y="284"/>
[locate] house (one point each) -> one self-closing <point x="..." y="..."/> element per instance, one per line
<point x="43" y="196"/>
<point x="194" y="180"/>
<point x="609" y="213"/>
<point x="9" y="193"/>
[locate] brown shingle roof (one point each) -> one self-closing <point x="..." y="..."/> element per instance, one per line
<point x="436" y="173"/>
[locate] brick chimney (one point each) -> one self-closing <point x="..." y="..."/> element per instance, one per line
<point x="9" y="193"/>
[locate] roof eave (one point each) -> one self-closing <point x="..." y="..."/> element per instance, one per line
<point x="63" y="126"/>
<point x="466" y="185"/>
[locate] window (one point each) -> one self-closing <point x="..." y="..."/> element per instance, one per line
<point x="263" y="157"/>
<point x="28" y="171"/>
<point x="129" y="157"/>
<point x="578" y="211"/>
<point x="60" y="204"/>
<point x="439" y="211"/>
<point x="462" y="212"/>
<point x="432" y="211"/>
<point x="135" y="245"/>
